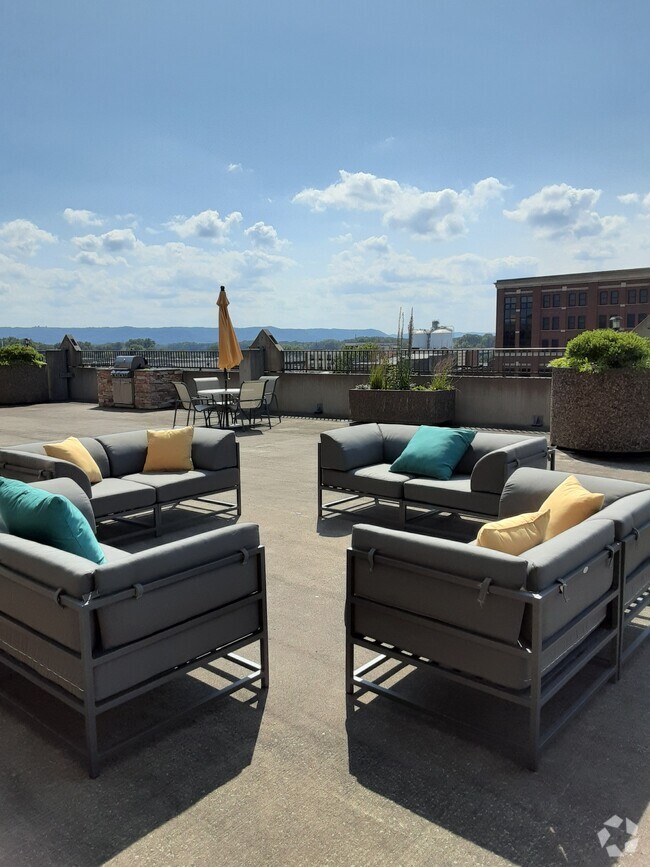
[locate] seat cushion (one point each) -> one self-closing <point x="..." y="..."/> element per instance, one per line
<point x="434" y="452"/>
<point x="119" y="495"/>
<point x="374" y="481"/>
<point x="168" y="487"/>
<point x="454" y="495"/>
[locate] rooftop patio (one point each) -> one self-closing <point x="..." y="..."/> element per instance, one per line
<point x="299" y="775"/>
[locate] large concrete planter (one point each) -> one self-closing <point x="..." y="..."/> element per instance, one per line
<point x="601" y="412"/>
<point x="23" y="383"/>
<point x="402" y="407"/>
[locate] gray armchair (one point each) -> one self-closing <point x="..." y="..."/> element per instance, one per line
<point x="95" y="636"/>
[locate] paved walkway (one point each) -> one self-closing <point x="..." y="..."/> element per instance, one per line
<point x="301" y="777"/>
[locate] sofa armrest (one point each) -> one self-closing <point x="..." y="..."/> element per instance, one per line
<point x="207" y="585"/>
<point x="214" y="449"/>
<point x="444" y="555"/>
<point x="492" y="471"/>
<point x="350" y="447"/>
<point x="30" y="467"/>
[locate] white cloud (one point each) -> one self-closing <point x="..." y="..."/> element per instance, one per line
<point x="646" y="201"/>
<point x="559" y="211"/>
<point x="629" y="198"/>
<point x="207" y="224"/>
<point x="439" y="214"/>
<point x="22" y="237"/>
<point x="80" y="217"/>
<point x="235" y="168"/>
<point x="263" y="235"/>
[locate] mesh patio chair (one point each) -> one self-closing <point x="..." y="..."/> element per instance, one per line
<point x="191" y="405"/>
<point x="270" y="397"/>
<point x="250" y="403"/>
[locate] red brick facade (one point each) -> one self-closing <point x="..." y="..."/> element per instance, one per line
<point x="549" y="311"/>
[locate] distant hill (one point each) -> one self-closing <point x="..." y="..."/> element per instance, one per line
<point x="166" y="336"/>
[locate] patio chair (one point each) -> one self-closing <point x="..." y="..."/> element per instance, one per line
<point x="250" y="402"/>
<point x="270" y="397"/>
<point x="191" y="405"/>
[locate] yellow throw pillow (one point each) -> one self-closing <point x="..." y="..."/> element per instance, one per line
<point x="514" y="535"/>
<point x="169" y="451"/>
<point x="570" y="503"/>
<point x="76" y="452"/>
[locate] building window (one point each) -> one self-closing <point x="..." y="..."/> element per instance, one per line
<point x="555" y="342"/>
<point x="546" y="300"/>
<point x="582" y="299"/>
<point x="613" y="296"/>
<point x="544" y="342"/>
<point x="545" y="323"/>
<point x="630" y="320"/>
<point x="602" y="321"/>
<point x="603" y="297"/>
<point x="557" y="300"/>
<point x="572" y="299"/>
<point x="509" y="320"/>
<point x="581" y="323"/>
<point x="571" y="323"/>
<point x="526" y="320"/>
<point x="631" y="296"/>
<point x="643" y="296"/>
<point x="555" y="323"/>
<point x="642" y="316"/>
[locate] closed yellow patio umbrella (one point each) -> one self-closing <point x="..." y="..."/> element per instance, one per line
<point x="230" y="354"/>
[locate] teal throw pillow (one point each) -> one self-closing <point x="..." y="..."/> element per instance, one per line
<point x="51" y="519"/>
<point x="434" y="452"/>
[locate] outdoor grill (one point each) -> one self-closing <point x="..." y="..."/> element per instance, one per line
<point x="122" y="376"/>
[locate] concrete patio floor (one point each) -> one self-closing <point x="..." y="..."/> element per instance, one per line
<point x="301" y="776"/>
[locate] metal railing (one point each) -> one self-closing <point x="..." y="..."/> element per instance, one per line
<point x="458" y="362"/>
<point x="184" y="359"/>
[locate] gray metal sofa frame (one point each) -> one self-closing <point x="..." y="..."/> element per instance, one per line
<point x="125" y="491"/>
<point x="356" y="461"/>
<point x="95" y="637"/>
<point x="520" y="628"/>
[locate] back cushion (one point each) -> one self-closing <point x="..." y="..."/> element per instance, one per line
<point x="98" y="454"/>
<point x="350" y="447"/>
<point x="396" y="438"/>
<point x="126" y="452"/>
<point x="213" y="449"/>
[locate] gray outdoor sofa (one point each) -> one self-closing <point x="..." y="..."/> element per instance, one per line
<point x="356" y="460"/>
<point x="125" y="489"/>
<point x="517" y="627"/>
<point x="96" y="636"/>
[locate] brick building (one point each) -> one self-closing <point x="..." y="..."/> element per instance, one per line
<point x="549" y="311"/>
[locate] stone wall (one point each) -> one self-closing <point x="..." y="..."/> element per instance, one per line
<point x="152" y="388"/>
<point x="23" y="383"/>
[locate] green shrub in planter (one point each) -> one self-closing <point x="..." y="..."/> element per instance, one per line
<point x="605" y="349"/>
<point x="19" y="353"/>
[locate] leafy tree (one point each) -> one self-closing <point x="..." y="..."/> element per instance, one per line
<point x="474" y="341"/>
<point x="20" y="353"/>
<point x="137" y="344"/>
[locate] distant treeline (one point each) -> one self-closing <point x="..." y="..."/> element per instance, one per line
<point x="136" y="345"/>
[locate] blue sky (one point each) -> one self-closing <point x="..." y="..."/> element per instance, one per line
<point x="329" y="162"/>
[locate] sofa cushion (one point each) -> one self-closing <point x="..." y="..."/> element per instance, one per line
<point x="169" y="487"/>
<point x="357" y="446"/>
<point x="169" y="451"/>
<point x="50" y="519"/>
<point x="213" y="449"/>
<point x="120" y="495"/>
<point x="434" y="452"/>
<point x="570" y="504"/>
<point x="126" y="452"/>
<point x="483" y="443"/>
<point x="455" y="495"/>
<point x="373" y="481"/>
<point x="514" y="535"/>
<point x="71" y="490"/>
<point x="71" y="449"/>
<point x="396" y="437"/>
